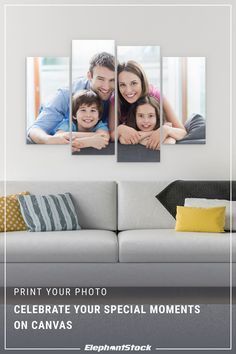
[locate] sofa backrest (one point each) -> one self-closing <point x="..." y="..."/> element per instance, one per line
<point x="95" y="202"/>
<point x="139" y="209"/>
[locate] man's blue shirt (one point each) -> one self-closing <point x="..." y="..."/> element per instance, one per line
<point x="58" y="109"/>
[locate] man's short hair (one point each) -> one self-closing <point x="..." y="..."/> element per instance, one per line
<point x="102" y="59"/>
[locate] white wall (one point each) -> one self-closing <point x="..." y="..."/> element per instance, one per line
<point x="180" y="31"/>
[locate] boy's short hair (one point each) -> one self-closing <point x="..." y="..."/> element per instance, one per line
<point x="102" y="59"/>
<point x="87" y="97"/>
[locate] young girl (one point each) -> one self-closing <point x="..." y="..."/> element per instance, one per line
<point x="87" y="126"/>
<point x="144" y="117"/>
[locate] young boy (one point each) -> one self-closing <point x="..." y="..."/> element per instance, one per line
<point x="87" y="126"/>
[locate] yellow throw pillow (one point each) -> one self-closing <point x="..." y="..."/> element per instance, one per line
<point x="200" y="219"/>
<point x="14" y="220"/>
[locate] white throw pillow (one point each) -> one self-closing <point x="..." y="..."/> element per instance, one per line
<point x="207" y="203"/>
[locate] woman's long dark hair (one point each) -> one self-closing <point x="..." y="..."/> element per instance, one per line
<point x="131" y="118"/>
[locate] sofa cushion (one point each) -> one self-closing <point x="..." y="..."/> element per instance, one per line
<point x="171" y="246"/>
<point x="53" y="212"/>
<point x="176" y="192"/>
<point x="95" y="202"/>
<point x="200" y="219"/>
<point x="196" y="130"/>
<point x="230" y="211"/>
<point x="14" y="220"/>
<point x="138" y="207"/>
<point x="61" y="246"/>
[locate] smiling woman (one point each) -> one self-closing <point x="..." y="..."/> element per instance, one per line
<point x="133" y="85"/>
<point x="130" y="86"/>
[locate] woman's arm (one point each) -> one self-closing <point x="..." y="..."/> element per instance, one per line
<point x="171" y="116"/>
<point x="169" y="140"/>
<point x="175" y="133"/>
<point x="177" y="130"/>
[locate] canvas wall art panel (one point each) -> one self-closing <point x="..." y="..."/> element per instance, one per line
<point x="48" y="99"/>
<point x="92" y="97"/>
<point x="184" y="99"/>
<point x="138" y="104"/>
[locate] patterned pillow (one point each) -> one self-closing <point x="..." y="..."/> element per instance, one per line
<point x="49" y="212"/>
<point x="14" y="220"/>
<point x="176" y="192"/>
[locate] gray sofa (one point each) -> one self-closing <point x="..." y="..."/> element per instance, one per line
<point x="127" y="239"/>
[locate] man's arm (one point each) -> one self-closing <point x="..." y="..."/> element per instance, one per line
<point x="50" y="117"/>
<point x="40" y="137"/>
<point x="97" y="140"/>
<point x="103" y="133"/>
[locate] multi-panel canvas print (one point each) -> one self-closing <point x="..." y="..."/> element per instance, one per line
<point x="125" y="97"/>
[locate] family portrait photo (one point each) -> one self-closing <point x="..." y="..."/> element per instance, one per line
<point x="128" y="97"/>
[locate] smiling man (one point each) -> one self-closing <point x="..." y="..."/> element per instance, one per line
<point x="100" y="78"/>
